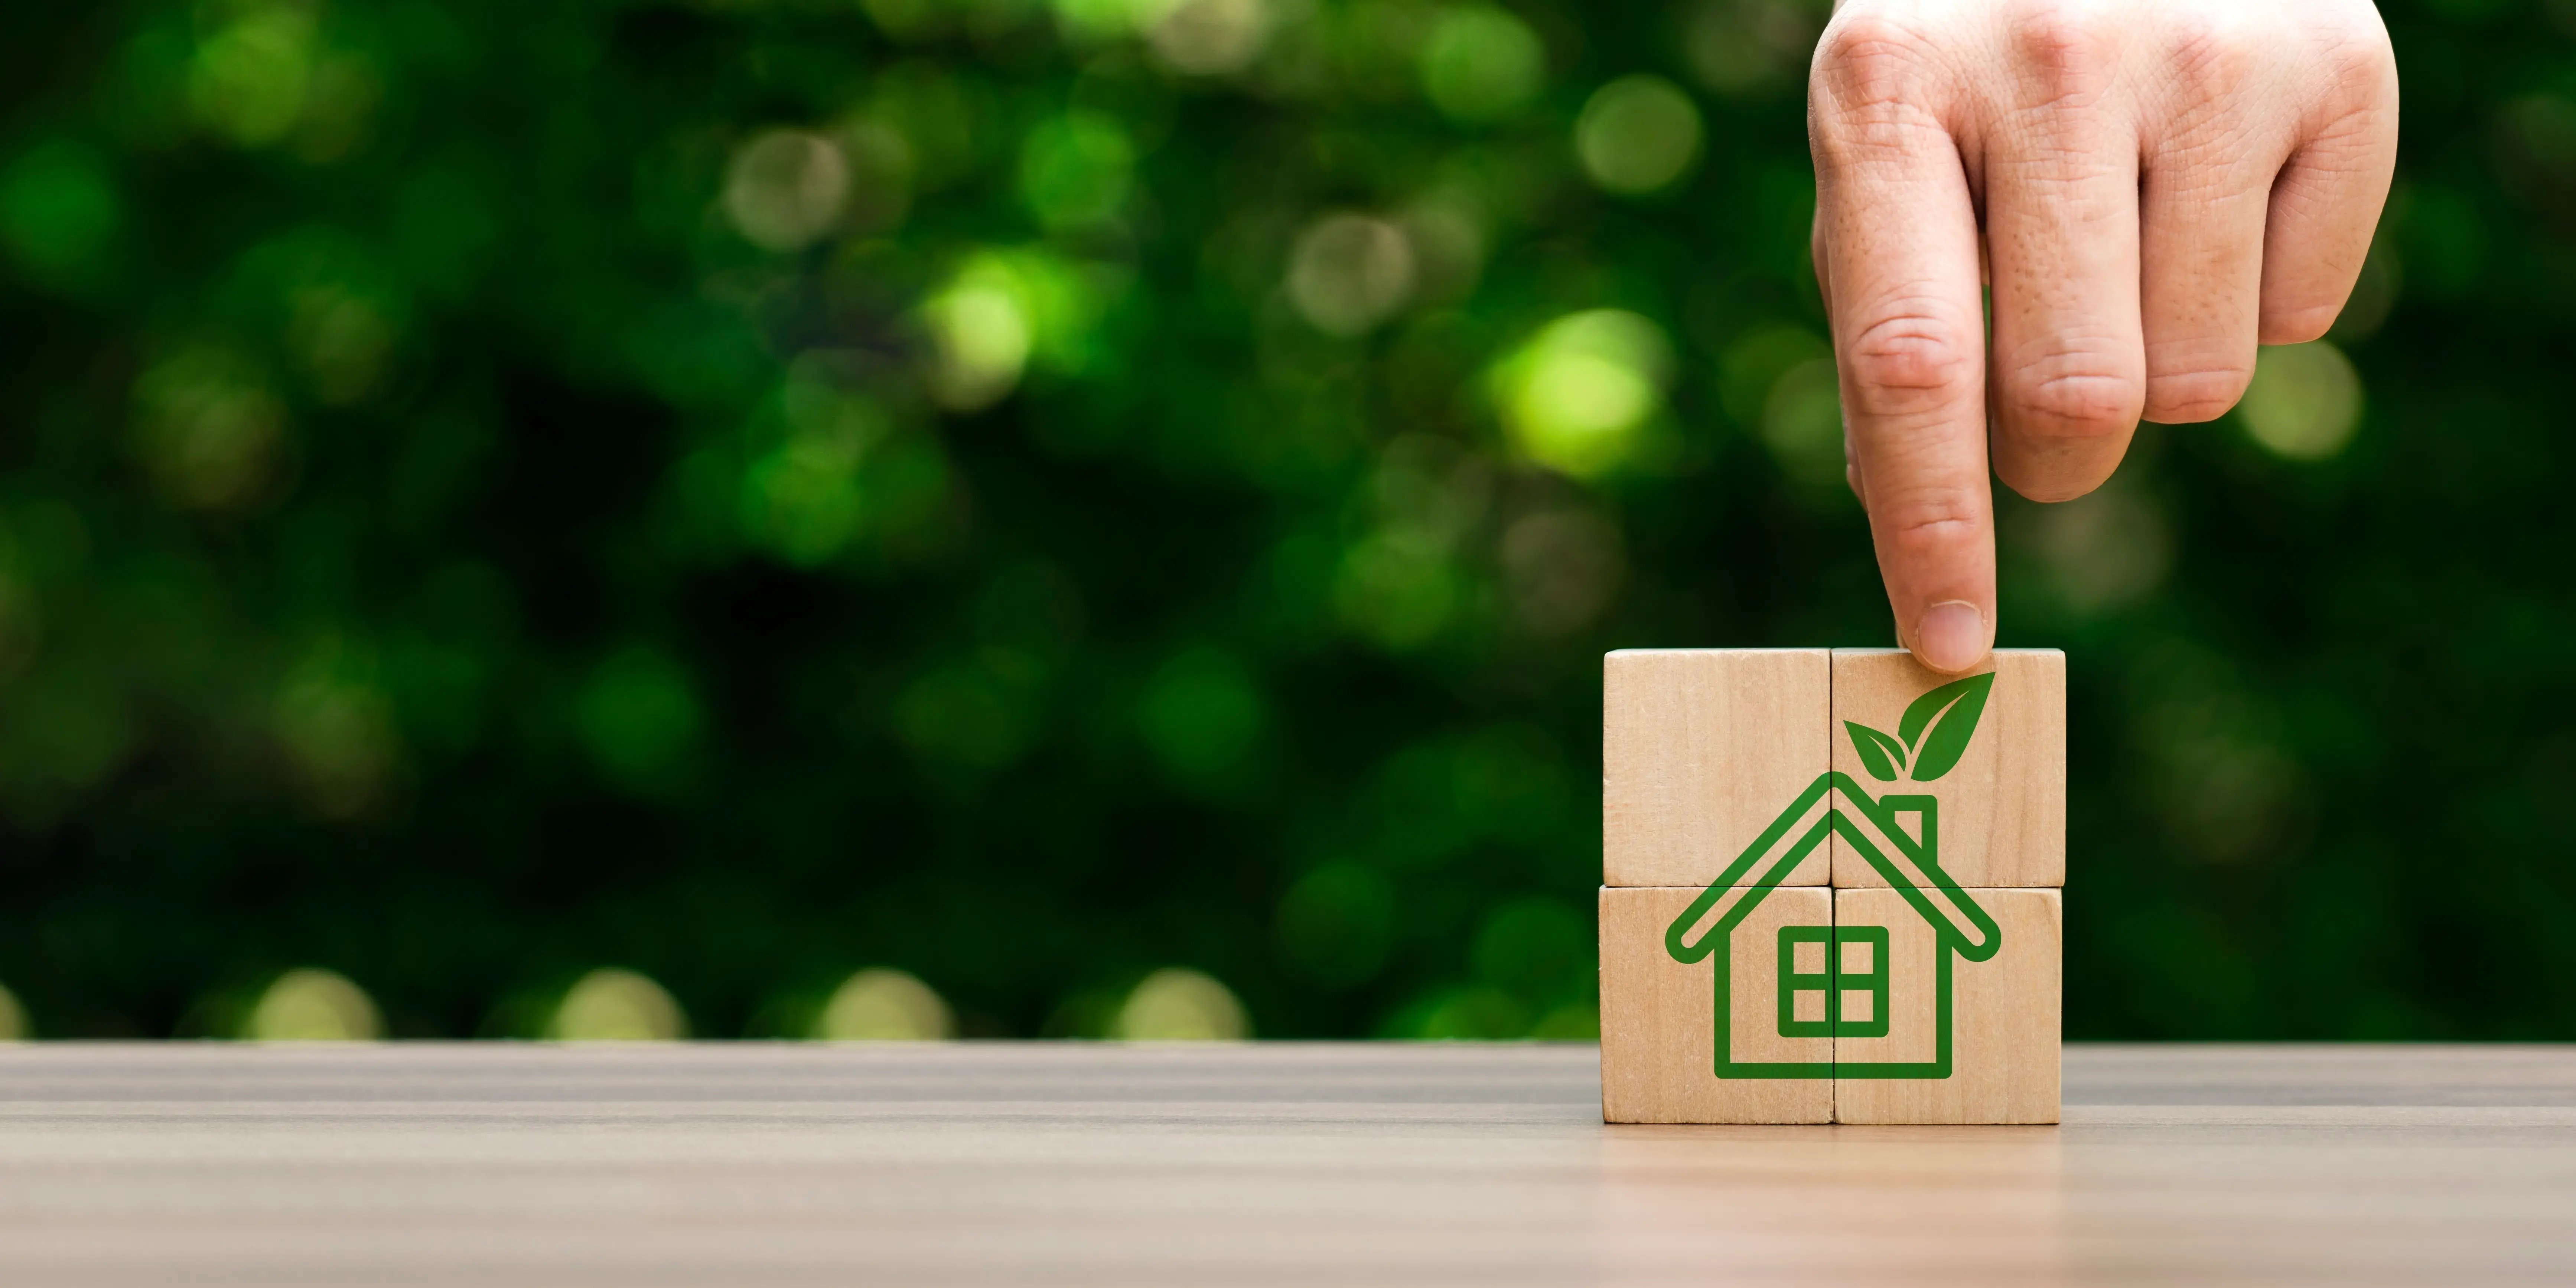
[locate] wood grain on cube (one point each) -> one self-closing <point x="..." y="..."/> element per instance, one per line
<point x="2004" y="1015"/>
<point x="1659" y="1016"/>
<point x="1700" y="750"/>
<point x="2002" y="808"/>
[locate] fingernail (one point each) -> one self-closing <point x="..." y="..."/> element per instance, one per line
<point x="1951" y="636"/>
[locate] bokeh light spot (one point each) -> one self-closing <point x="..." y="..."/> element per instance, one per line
<point x="343" y="339"/>
<point x="311" y="1005"/>
<point x="1574" y="402"/>
<point x="208" y="428"/>
<point x="1004" y="311"/>
<point x="785" y="189"/>
<point x="613" y="1005"/>
<point x="1575" y="396"/>
<point x="343" y="306"/>
<point x="1397" y="588"/>
<point x="1637" y="134"/>
<point x="2304" y="402"/>
<point x="337" y="728"/>
<point x="249" y="80"/>
<point x="1348" y="273"/>
<point x="1076" y="169"/>
<point x="1181" y="1005"/>
<point x="981" y="331"/>
<point x="883" y="1005"/>
<point x="804" y="498"/>
<point x="1211" y="37"/>
<point x="1482" y="64"/>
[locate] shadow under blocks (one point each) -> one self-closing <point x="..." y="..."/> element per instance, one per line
<point x="1831" y="887"/>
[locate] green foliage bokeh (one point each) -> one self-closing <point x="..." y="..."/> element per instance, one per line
<point x="1035" y="493"/>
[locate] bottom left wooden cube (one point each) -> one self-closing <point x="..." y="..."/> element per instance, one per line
<point x="1755" y="1006"/>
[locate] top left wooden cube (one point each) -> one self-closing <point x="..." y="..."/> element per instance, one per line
<point x="1700" y="749"/>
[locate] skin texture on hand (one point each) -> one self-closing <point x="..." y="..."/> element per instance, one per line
<point x="2151" y="188"/>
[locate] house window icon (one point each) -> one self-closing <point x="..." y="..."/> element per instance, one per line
<point x="1833" y="982"/>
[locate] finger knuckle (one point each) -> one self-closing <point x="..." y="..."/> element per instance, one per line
<point x="2358" y="53"/>
<point x="2211" y="58"/>
<point x="2354" y="71"/>
<point x="2058" y="43"/>
<point x="1929" y="522"/>
<point x="1865" y="60"/>
<point x="1910" y="361"/>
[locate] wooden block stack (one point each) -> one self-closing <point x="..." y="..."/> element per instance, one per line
<point x="1831" y="886"/>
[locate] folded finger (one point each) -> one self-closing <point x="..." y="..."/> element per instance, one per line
<point x="2219" y="135"/>
<point x="2060" y="171"/>
<point x="2325" y="205"/>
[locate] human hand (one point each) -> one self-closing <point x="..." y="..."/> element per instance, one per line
<point x="2151" y="187"/>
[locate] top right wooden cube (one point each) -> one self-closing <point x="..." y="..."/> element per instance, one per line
<point x="1996" y="800"/>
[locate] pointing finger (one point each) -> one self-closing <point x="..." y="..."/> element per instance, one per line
<point x="1899" y="267"/>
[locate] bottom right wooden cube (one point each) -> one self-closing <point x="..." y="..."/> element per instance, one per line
<point x="1925" y="1034"/>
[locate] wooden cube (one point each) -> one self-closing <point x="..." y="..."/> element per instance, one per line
<point x="1725" y="1036"/>
<point x="1701" y="750"/>
<point x="1948" y="1005"/>
<point x="1972" y="768"/>
<point x="1923" y="987"/>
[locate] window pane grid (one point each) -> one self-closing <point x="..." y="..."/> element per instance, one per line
<point x="1794" y="982"/>
<point x="1856" y="990"/>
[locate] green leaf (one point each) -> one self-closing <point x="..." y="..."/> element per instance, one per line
<point x="1937" y="727"/>
<point x="1882" y="754"/>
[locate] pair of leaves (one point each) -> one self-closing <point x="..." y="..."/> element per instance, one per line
<point x="1933" y="733"/>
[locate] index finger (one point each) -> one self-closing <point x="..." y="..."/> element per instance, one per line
<point x="1897" y="241"/>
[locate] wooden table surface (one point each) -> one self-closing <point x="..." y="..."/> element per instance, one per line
<point x="1340" y="1164"/>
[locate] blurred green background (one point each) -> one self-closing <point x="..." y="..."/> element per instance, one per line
<point x="1024" y="498"/>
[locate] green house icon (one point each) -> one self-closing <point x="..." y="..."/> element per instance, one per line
<point x="1899" y="836"/>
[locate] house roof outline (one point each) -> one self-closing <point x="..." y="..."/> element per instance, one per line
<point x="1836" y="803"/>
